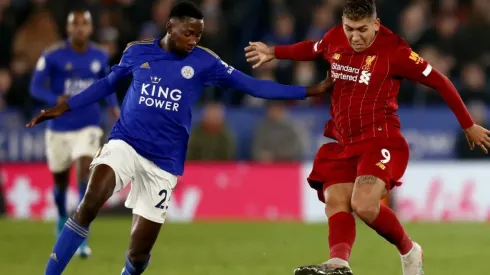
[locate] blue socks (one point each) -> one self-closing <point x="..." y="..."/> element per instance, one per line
<point x="67" y="244"/>
<point x="134" y="269"/>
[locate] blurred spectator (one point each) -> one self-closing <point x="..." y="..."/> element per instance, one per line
<point x="474" y="84"/>
<point x="211" y="140"/>
<point x="7" y="29"/>
<point x="28" y="42"/>
<point x="159" y="17"/>
<point x="276" y="138"/>
<point x="479" y="113"/>
<point x="18" y="95"/>
<point x="323" y="20"/>
<point x="282" y="34"/>
<point x="5" y="83"/>
<point x="413" y="23"/>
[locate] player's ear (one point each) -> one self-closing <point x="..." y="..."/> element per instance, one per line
<point x="377" y="24"/>
<point x="169" y="27"/>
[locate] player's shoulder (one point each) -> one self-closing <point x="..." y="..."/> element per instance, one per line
<point x="392" y="40"/>
<point x="333" y="34"/>
<point x="205" y="53"/>
<point x="206" y="57"/>
<point x="336" y="30"/>
<point x="139" y="45"/>
<point x="334" y="38"/>
<point x="55" y="48"/>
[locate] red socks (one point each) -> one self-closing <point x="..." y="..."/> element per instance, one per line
<point x="389" y="227"/>
<point x="342" y="233"/>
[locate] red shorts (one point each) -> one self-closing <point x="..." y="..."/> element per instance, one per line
<point x="384" y="158"/>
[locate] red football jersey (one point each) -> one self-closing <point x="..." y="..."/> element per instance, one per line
<point x="364" y="98"/>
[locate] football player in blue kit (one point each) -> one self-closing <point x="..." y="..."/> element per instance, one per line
<point x="63" y="71"/>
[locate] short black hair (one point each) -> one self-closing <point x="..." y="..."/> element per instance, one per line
<point x="186" y="9"/>
<point x="359" y="9"/>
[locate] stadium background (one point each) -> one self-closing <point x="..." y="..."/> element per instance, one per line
<point x="249" y="158"/>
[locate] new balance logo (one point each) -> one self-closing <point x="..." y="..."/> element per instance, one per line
<point x="365" y="77"/>
<point x="145" y="65"/>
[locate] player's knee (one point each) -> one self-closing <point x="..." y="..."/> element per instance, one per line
<point x="333" y="207"/>
<point x="337" y="200"/>
<point x="366" y="210"/>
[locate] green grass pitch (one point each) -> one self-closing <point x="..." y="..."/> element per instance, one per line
<point x="244" y="248"/>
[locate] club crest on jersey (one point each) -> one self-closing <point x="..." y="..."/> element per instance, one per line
<point x="337" y="56"/>
<point x="95" y="66"/>
<point x="368" y="63"/>
<point x="187" y="72"/>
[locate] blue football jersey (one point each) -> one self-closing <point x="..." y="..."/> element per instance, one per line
<point x="156" y="113"/>
<point x="62" y="71"/>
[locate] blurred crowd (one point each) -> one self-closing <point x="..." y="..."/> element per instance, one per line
<point x="451" y="34"/>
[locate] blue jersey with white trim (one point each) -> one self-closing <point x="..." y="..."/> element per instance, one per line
<point x="156" y="113"/>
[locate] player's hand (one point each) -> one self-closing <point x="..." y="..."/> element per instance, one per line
<point x="478" y="136"/>
<point x="322" y="87"/>
<point x="115" y="112"/>
<point x="61" y="99"/>
<point x="258" y="53"/>
<point x="48" y="114"/>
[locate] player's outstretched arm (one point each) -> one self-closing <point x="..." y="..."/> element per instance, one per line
<point x="259" y="53"/>
<point x="475" y="134"/>
<point x="411" y="66"/>
<point x="224" y="75"/>
<point x="92" y="94"/>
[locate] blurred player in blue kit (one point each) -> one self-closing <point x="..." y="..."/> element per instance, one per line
<point x="148" y="144"/>
<point x="64" y="70"/>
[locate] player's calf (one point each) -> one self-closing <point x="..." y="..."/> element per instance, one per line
<point x="341" y="222"/>
<point x="83" y="173"/>
<point x="368" y="191"/>
<point x="342" y="231"/>
<point x="76" y="229"/>
<point x="143" y="236"/>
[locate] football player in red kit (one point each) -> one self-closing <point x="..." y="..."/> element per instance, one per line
<point x="368" y="62"/>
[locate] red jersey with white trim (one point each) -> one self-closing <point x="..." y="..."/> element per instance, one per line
<point x="364" y="98"/>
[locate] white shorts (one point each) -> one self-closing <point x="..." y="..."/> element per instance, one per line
<point x="62" y="148"/>
<point x="151" y="187"/>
